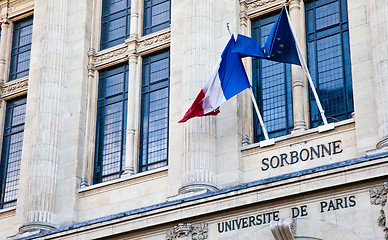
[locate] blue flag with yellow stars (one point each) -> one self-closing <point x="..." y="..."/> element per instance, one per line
<point x="280" y="45"/>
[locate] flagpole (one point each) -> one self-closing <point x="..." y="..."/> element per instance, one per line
<point x="267" y="141"/>
<point x="304" y="66"/>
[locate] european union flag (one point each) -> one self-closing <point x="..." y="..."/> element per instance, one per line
<point x="280" y="45"/>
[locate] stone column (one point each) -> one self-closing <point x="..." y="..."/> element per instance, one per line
<point x="134" y="29"/>
<point x="91" y="115"/>
<point x="245" y="100"/>
<point x="129" y="166"/>
<point x="379" y="36"/>
<point x="298" y="78"/>
<point x="199" y="133"/>
<point x="3" y="48"/>
<point x="44" y="112"/>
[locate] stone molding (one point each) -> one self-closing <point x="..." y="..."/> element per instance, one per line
<point x="121" y="53"/>
<point x="258" y="7"/>
<point x="379" y="196"/>
<point x="154" y="42"/>
<point x="189" y="231"/>
<point x="16" y="9"/>
<point x="284" y="229"/>
<point x="15" y="88"/>
<point x="111" y="56"/>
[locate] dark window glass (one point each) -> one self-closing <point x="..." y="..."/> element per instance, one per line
<point x="21" y="49"/>
<point x="156" y="15"/>
<point x="111" y="123"/>
<point x="154" y="117"/>
<point x="272" y="87"/>
<point x="116" y="16"/>
<point x="12" y="151"/>
<point x="329" y="59"/>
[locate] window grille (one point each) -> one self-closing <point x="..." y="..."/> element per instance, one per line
<point x="155" y="110"/>
<point x="11" y="153"/>
<point x="156" y="15"/>
<point x="272" y="85"/>
<point x="115" y="22"/>
<point x="21" y="49"/>
<point x="111" y="123"/>
<point x="327" y="33"/>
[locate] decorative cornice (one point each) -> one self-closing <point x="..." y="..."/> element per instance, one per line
<point x="154" y="42"/>
<point x="19" y="7"/>
<point x="258" y="7"/>
<point x="110" y="56"/>
<point x="15" y="88"/>
<point x="196" y="231"/>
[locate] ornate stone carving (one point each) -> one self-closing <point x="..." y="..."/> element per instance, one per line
<point x="379" y="197"/>
<point x="120" y="53"/>
<point x="189" y="231"/>
<point x="156" y="39"/>
<point x="154" y="42"/>
<point x="245" y="140"/>
<point x="15" y="88"/>
<point x="252" y="4"/>
<point x="284" y="229"/>
<point x="254" y="7"/>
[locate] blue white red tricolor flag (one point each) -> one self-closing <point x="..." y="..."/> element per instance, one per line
<point x="227" y="80"/>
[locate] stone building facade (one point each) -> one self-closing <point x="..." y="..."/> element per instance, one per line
<point x="92" y="92"/>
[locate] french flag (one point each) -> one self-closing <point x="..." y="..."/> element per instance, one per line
<point x="227" y="80"/>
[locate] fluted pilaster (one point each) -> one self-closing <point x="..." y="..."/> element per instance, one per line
<point x="199" y="133"/>
<point x="379" y="30"/>
<point x="45" y="107"/>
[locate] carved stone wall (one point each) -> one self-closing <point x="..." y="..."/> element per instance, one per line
<point x="379" y="196"/>
<point x="189" y="232"/>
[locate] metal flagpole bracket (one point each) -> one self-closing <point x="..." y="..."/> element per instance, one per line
<point x="326" y="127"/>
<point x="266" y="143"/>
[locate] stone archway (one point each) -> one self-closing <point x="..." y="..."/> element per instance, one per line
<point x="306" y="229"/>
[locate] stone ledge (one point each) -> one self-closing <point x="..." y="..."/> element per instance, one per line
<point x="168" y="211"/>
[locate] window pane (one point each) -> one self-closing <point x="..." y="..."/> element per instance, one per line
<point x="21" y="48"/>
<point x="12" y="151"/>
<point x="329" y="59"/>
<point x="272" y="86"/>
<point x="155" y="109"/>
<point x="156" y="15"/>
<point x="116" y="15"/>
<point x="111" y="124"/>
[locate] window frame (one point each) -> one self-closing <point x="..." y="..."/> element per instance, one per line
<point x="313" y="38"/>
<point x="11" y="105"/>
<point x="256" y="26"/>
<point x="146" y="89"/>
<point x="103" y="102"/>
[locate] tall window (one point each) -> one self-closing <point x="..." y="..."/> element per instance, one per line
<point x="329" y="59"/>
<point x="156" y="15"/>
<point x="154" y="114"/>
<point x="116" y="16"/>
<point x="12" y="151"/>
<point x="272" y="87"/>
<point x="111" y="123"/>
<point x="21" y="48"/>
